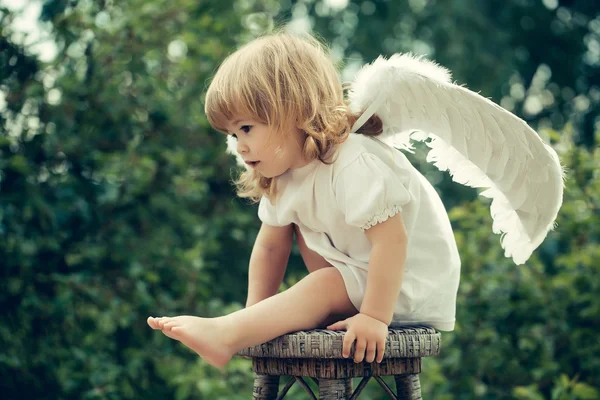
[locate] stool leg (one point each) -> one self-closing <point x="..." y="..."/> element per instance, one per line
<point x="335" y="389"/>
<point x="265" y="387"/>
<point x="408" y="387"/>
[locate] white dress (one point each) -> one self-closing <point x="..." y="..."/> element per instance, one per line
<point x="367" y="183"/>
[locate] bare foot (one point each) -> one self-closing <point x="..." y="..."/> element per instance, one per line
<point x="206" y="336"/>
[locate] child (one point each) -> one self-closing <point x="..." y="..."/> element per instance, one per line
<point x="372" y="230"/>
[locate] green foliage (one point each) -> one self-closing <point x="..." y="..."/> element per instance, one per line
<point x="115" y="201"/>
<point x="564" y="389"/>
<point x="520" y="328"/>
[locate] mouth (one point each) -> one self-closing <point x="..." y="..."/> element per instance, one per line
<point x="253" y="164"/>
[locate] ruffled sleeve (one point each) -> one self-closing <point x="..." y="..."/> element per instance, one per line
<point x="368" y="192"/>
<point x="267" y="212"/>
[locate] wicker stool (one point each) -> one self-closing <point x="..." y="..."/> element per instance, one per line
<point x="318" y="354"/>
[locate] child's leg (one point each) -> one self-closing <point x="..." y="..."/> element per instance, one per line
<point x="314" y="262"/>
<point x="312" y="259"/>
<point x="303" y="306"/>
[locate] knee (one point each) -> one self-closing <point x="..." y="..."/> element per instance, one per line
<point x="328" y="275"/>
<point x="328" y="280"/>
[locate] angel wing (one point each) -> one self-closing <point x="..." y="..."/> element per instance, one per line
<point x="232" y="149"/>
<point x="478" y="142"/>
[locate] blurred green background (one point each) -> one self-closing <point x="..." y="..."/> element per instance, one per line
<point x="116" y="202"/>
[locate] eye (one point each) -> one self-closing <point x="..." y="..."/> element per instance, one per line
<point x="233" y="135"/>
<point x="246" y="128"/>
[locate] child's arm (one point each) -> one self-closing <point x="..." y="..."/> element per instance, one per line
<point x="386" y="268"/>
<point x="268" y="262"/>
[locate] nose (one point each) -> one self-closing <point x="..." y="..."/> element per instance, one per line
<point x="242" y="147"/>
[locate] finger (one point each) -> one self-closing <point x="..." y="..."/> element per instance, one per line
<point x="359" y="351"/>
<point x="380" y="350"/>
<point x="348" y="340"/>
<point x="340" y="325"/>
<point x="371" y="351"/>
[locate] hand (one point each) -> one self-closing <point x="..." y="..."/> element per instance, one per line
<point x="369" y="333"/>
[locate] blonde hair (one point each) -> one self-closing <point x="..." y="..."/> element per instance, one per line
<point x="283" y="80"/>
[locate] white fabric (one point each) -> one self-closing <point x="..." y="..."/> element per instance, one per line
<point x="369" y="182"/>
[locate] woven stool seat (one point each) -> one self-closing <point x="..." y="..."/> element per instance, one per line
<point x="318" y="354"/>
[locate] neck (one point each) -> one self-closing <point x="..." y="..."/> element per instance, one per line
<point x="301" y="162"/>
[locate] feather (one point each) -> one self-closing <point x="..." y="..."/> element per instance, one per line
<point x="478" y="142"/>
<point x="232" y="149"/>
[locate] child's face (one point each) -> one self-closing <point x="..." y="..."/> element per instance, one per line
<point x="268" y="153"/>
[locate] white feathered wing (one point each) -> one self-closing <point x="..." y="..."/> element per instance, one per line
<point x="478" y="142"/>
<point x="232" y="149"/>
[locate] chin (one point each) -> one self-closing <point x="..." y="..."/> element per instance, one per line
<point x="272" y="175"/>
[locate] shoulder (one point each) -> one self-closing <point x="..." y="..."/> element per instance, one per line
<point x="348" y="152"/>
<point x="370" y="182"/>
<point x="358" y="147"/>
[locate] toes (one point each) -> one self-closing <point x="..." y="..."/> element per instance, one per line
<point x="173" y="330"/>
<point x="169" y="324"/>
<point x="162" y="321"/>
<point x="157" y="322"/>
<point x="152" y="322"/>
<point x="168" y="333"/>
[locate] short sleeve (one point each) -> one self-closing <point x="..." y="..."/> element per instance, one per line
<point x="267" y="212"/>
<point x="368" y="192"/>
